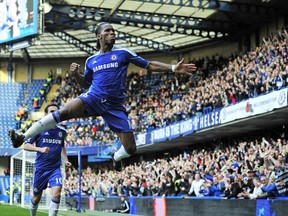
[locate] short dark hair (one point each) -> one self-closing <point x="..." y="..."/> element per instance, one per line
<point x="49" y="105"/>
<point x="120" y="181"/>
<point x="98" y="27"/>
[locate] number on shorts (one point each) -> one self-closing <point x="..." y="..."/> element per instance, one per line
<point x="59" y="181"/>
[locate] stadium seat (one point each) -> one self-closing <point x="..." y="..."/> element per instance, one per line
<point x="13" y="92"/>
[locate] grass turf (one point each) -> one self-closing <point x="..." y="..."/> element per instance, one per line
<point x="7" y="210"/>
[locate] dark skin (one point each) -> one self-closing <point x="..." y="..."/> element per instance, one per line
<point x="76" y="108"/>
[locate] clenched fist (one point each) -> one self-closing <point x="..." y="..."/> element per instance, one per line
<point x="45" y="150"/>
<point x="74" y="67"/>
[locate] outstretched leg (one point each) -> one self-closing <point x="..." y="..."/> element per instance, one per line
<point x="73" y="109"/>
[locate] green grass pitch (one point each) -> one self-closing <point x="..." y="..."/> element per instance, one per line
<point x="7" y="210"/>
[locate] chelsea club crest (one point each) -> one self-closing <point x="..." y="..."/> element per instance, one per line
<point x="113" y="57"/>
<point x="60" y="134"/>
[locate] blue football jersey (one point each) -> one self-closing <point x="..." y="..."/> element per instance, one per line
<point x="54" y="139"/>
<point x="107" y="72"/>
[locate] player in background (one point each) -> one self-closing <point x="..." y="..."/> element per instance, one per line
<point x="105" y="76"/>
<point x="124" y="207"/>
<point x="49" y="145"/>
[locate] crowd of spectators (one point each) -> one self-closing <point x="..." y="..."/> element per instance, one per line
<point x="218" y="82"/>
<point x="21" y="116"/>
<point x="88" y="132"/>
<point x="242" y="168"/>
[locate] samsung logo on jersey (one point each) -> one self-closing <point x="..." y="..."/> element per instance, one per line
<point x="105" y="66"/>
<point x="52" y="141"/>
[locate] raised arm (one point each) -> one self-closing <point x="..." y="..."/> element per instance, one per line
<point x="267" y="163"/>
<point x="275" y="162"/>
<point x="75" y="72"/>
<point x="180" y="67"/>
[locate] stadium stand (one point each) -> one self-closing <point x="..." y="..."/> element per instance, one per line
<point x="32" y="92"/>
<point x="11" y="97"/>
<point x="212" y="169"/>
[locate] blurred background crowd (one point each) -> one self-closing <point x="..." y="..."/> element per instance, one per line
<point x="238" y="168"/>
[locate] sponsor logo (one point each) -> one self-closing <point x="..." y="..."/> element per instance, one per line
<point x="47" y="133"/>
<point x="281" y="98"/>
<point x="105" y="66"/>
<point x="223" y="114"/>
<point x="248" y="107"/>
<point x="52" y="141"/>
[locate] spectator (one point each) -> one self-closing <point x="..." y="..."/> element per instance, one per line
<point x="232" y="190"/>
<point x="123" y="208"/>
<point x="196" y="186"/>
<point x="279" y="166"/>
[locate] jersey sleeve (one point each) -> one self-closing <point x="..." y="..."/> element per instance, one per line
<point x="137" y="60"/>
<point x="88" y="73"/>
<point x="31" y="140"/>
